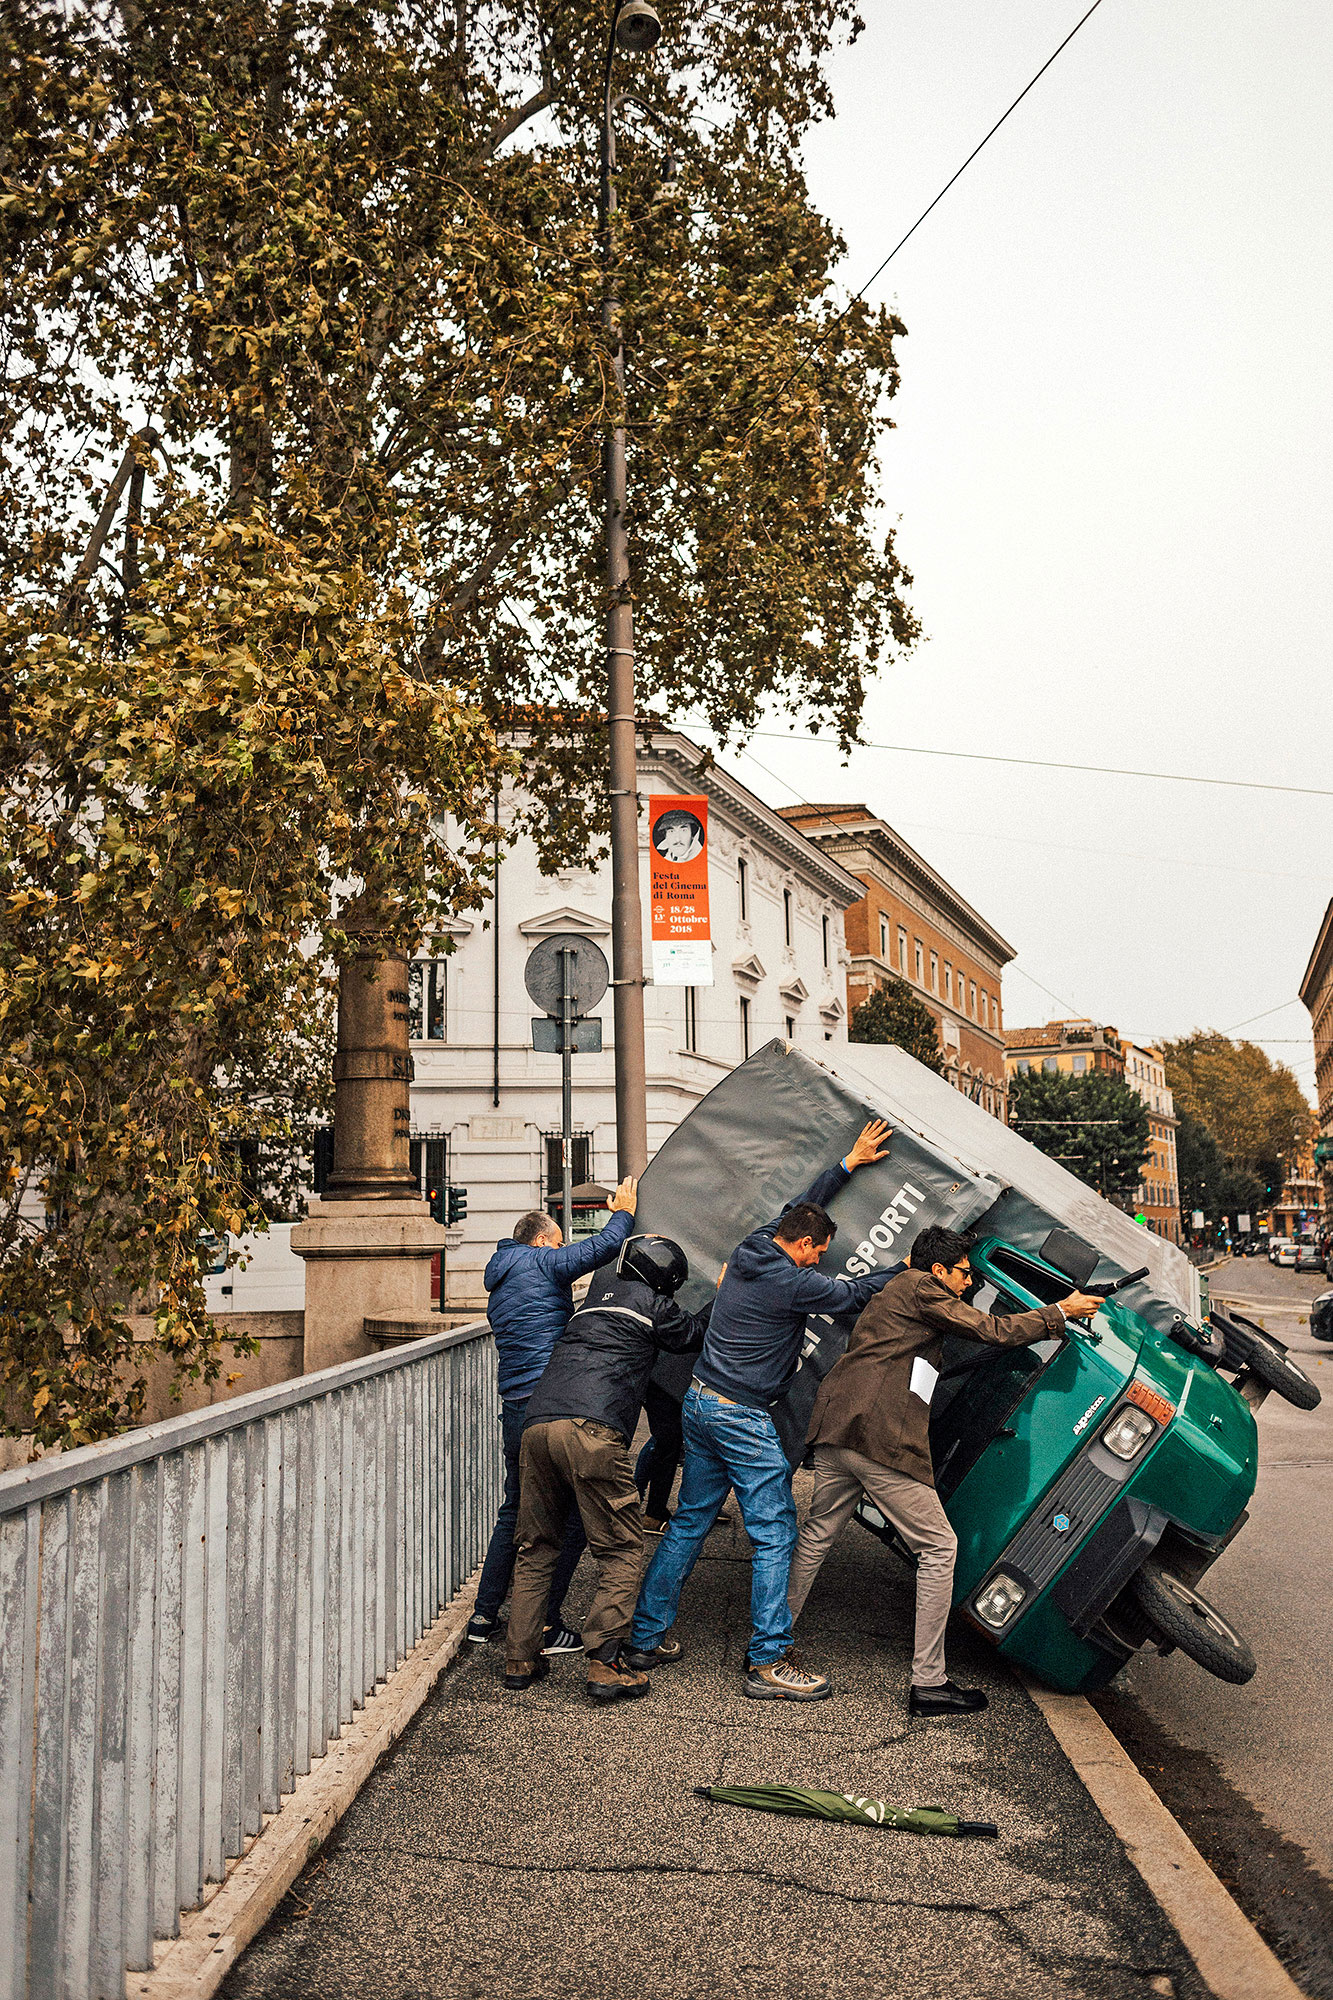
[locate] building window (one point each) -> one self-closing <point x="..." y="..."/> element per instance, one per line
<point x="902" y="951"/>
<point x="884" y="938"/>
<point x="1049" y="1063"/>
<point x="995" y="1013"/>
<point x="934" y="972"/>
<point x="824" y="929"/>
<point x="588" y="1216"/>
<point x="786" y="916"/>
<point x="745" y="1028"/>
<point x="743" y="886"/>
<point x="791" y="1027"/>
<point x="1080" y="1064"/>
<point x="692" y="1018"/>
<point x="985" y="1007"/>
<point x="948" y="982"/>
<point x="919" y="960"/>
<point x="972" y="985"/>
<point x="426" y="1016"/>
<point x="1024" y="1066"/>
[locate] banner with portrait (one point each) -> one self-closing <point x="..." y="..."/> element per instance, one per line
<point x="678" y="891"/>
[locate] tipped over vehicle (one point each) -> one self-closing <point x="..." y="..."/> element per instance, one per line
<point x="1093" y="1478"/>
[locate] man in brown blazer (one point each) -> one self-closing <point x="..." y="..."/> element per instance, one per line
<point x="870" y="1430"/>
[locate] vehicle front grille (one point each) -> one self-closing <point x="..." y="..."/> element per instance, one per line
<point x="1080" y="1496"/>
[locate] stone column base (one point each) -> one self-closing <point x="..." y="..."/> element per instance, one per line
<point x="363" y="1260"/>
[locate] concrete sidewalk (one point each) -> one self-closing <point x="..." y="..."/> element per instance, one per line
<point x="532" y="1847"/>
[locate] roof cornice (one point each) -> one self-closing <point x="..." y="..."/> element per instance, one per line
<point x="1321" y="960"/>
<point x="879" y="837"/>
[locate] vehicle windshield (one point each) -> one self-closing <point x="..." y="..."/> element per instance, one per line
<point x="980" y="1386"/>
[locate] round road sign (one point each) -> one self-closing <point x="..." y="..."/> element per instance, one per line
<point x="589" y="973"/>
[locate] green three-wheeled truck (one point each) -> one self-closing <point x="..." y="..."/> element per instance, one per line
<point x="1092" y="1478"/>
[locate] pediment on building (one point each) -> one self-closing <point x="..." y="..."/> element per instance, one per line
<point x="795" y="992"/>
<point x="749" y="970"/>
<point x="454" y="927"/>
<point x="830" y="1008"/>
<point x="580" y="922"/>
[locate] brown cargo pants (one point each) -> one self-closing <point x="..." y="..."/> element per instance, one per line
<point x="574" y="1457"/>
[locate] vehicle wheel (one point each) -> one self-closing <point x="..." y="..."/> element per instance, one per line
<point x="1187" y="1620"/>
<point x="1248" y="1346"/>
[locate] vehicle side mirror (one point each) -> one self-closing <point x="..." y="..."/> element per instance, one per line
<point x="1071" y="1255"/>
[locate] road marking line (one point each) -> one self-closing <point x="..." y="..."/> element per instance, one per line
<point x="1233" y="1960"/>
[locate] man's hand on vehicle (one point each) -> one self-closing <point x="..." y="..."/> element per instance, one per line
<point x="871" y="1145"/>
<point x="626" y="1195"/>
<point x="1080" y="1305"/>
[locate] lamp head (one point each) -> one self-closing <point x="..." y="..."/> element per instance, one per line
<point x="637" y="27"/>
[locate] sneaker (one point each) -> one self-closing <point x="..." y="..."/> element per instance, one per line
<point x="664" y="1654"/>
<point x="785" y="1679"/>
<point x="480" y="1629"/>
<point x="619" y="1682"/>
<point x="559" y="1639"/>
<point x="521" y="1674"/>
<point x="946" y="1699"/>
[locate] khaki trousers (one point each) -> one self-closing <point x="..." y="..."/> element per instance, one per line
<point x="841" y="1477"/>
<point x="573" y="1457"/>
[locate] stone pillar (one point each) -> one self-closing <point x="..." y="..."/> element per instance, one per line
<point x="368" y="1243"/>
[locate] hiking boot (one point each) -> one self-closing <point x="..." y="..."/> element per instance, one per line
<point x="522" y="1673"/>
<point x="480" y="1629"/>
<point x="946" y="1699"/>
<point x="785" y="1679"/>
<point x="664" y="1654"/>
<point x="559" y="1639"/>
<point x="618" y="1682"/>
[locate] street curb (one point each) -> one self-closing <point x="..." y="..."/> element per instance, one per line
<point x="212" y="1938"/>
<point x="1232" y="1959"/>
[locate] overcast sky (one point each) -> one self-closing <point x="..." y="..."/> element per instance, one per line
<point x="1112" y="472"/>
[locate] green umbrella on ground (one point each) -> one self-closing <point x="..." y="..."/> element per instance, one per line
<point x="845" y="1806"/>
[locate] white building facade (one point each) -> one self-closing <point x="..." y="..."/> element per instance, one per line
<point x="486" y="1108"/>
<point x="1158" y="1193"/>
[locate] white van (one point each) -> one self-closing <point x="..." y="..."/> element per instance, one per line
<point x="1281" y="1250"/>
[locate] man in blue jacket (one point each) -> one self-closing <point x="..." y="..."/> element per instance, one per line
<point x="530" y="1280"/>
<point x="770" y="1286"/>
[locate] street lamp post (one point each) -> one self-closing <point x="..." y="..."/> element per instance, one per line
<point x="634" y="27"/>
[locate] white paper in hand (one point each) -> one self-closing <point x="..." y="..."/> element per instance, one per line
<point x="923" y="1378"/>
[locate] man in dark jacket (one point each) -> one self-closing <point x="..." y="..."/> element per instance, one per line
<point x="768" y="1289"/>
<point x="576" y="1433"/>
<point x="870" y="1429"/>
<point x="530" y="1280"/>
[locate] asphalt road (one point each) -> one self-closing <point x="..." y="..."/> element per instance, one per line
<point x="530" y="1847"/>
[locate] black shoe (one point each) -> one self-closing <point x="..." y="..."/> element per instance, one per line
<point x="480" y="1629"/>
<point x="946" y="1699"/>
<point x="664" y="1654"/>
<point x="523" y="1673"/>
<point x="559" y="1639"/>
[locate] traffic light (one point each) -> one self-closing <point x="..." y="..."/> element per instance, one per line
<point x="457" y="1211"/>
<point x="436" y="1197"/>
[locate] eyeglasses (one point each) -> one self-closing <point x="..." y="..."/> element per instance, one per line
<point x="961" y="1267"/>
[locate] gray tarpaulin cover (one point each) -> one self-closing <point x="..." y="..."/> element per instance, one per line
<point x="762" y="1134"/>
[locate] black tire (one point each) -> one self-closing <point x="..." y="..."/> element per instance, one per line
<point x="1185" y="1619"/>
<point x="1248" y="1346"/>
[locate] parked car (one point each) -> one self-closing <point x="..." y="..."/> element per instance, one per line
<point x="1321" y="1316"/>
<point x="1281" y="1250"/>
<point x="1092" y="1478"/>
<point x="1309" y="1254"/>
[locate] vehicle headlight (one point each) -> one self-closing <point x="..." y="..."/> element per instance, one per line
<point x="1128" y="1431"/>
<point x="996" y="1604"/>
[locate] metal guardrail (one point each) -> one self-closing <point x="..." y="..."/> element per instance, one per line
<point x="191" y="1611"/>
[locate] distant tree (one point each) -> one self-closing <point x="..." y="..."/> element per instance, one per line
<point x="893" y="1014"/>
<point x="1254" y="1108"/>
<point x="1095" y="1125"/>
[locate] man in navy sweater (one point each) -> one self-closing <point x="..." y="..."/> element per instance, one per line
<point x="530" y="1283"/>
<point x="770" y="1286"/>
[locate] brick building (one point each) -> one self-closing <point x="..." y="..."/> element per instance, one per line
<point x="912" y="925"/>
<point x="1159" y="1190"/>
<point x="1317" y="993"/>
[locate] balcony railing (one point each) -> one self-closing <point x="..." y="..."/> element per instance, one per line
<point x="192" y="1611"/>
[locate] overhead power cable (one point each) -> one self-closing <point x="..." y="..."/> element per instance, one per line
<point x="1049" y="764"/>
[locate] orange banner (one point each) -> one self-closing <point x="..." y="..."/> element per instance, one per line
<point x="678" y="882"/>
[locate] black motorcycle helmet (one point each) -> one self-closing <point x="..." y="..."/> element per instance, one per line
<point x="659" y="1262"/>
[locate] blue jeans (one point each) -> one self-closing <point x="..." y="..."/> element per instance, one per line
<point x="726" y="1446"/>
<point x="498" y="1568"/>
